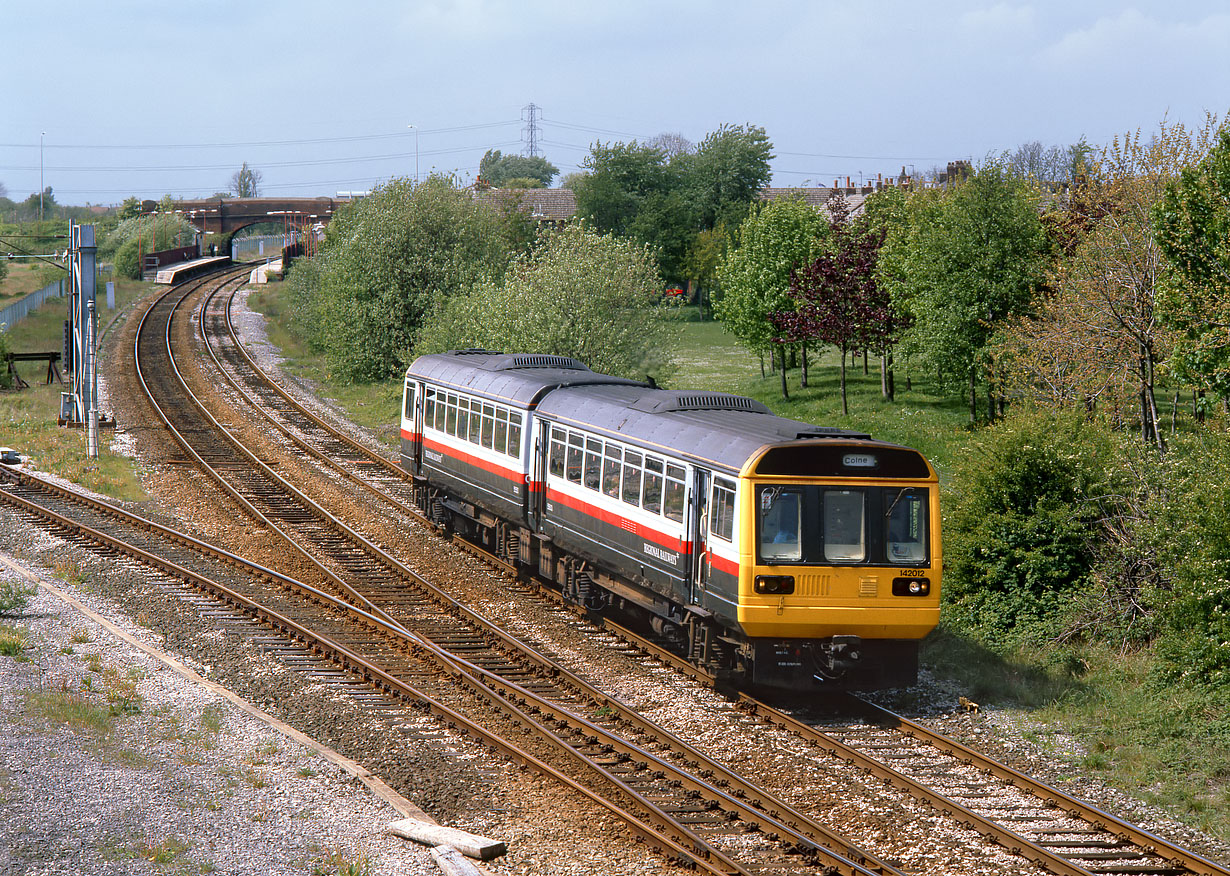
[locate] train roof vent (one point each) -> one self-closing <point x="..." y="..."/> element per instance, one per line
<point x="831" y="432"/>
<point x="538" y="360"/>
<point x="663" y="402"/>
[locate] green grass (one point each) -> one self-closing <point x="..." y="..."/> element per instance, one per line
<point x="25" y="278"/>
<point x="28" y="418"/>
<point x="13" y="641"/>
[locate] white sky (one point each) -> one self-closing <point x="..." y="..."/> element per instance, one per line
<point x="149" y="97"/>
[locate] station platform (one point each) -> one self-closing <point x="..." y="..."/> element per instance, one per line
<point x="172" y="274"/>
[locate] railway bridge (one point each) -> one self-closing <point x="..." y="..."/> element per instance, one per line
<point x="225" y="216"/>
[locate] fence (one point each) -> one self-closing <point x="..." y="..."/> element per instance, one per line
<point x="246" y="248"/>
<point x="21" y="308"/>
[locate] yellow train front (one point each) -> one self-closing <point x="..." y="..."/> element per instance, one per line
<point x="836" y="563"/>
<point x="766" y="550"/>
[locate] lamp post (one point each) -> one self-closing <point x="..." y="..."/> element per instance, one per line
<point x="416" y="152"/>
<point x="41" y="188"/>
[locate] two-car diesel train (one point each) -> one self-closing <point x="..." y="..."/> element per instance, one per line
<point x="766" y="550"/>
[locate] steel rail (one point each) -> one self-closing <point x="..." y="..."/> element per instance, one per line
<point x="750" y="814"/>
<point x="701" y="856"/>
<point x="789" y="821"/>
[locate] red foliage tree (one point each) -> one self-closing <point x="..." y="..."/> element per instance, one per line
<point x="839" y="300"/>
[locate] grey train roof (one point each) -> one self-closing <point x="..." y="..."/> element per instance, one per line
<point x="714" y="427"/>
<point x="517" y="378"/>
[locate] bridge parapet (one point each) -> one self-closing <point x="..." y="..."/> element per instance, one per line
<point x="228" y="215"/>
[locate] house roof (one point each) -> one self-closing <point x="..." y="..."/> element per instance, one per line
<point x="818" y="198"/>
<point x="544" y="205"/>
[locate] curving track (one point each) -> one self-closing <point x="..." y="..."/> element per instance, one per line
<point x="1027" y="817"/>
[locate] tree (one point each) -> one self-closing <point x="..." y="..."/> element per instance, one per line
<point x="579" y="293"/>
<point x="726" y="174"/>
<point x="1099" y="335"/>
<point x="1192" y="228"/>
<point x="619" y="178"/>
<point x="386" y="263"/>
<point x="969" y="257"/>
<point x="837" y="298"/>
<point x="4" y="192"/>
<point x="776" y="238"/>
<point x="246" y="182"/>
<point x="499" y="170"/>
<point x="130" y="208"/>
<point x="672" y="145"/>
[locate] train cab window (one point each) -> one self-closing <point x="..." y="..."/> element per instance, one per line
<point x="905" y="518"/>
<point x="501" y="430"/>
<point x="844" y="530"/>
<point x="488" y="425"/>
<point x="610" y="471"/>
<point x="722" y="510"/>
<point x="576" y="455"/>
<point x="781" y="525"/>
<point x="631" y="491"/>
<point x="651" y="492"/>
<point x="675" y="496"/>
<point x="514" y="434"/>
<point x="408" y="410"/>
<point x="593" y="463"/>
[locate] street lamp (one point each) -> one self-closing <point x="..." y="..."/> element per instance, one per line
<point x="41" y="188"/>
<point x="416" y="152"/>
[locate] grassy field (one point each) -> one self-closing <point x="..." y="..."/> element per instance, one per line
<point x="28" y="418"/>
<point x="24" y="278"/>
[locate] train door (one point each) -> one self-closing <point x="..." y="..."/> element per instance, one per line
<point x="412" y="427"/>
<point x="540" y="435"/>
<point x="699" y="529"/>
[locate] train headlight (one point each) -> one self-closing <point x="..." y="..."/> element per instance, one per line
<point x="911" y="586"/>
<point x="774" y="584"/>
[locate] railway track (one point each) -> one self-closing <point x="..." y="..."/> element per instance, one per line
<point x="1055" y="831"/>
<point x="666" y="786"/>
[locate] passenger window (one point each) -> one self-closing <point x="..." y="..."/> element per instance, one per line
<point x="610" y="472"/>
<point x="429" y="409"/>
<point x="675" y="497"/>
<point x="593" y="463"/>
<point x="501" y="430"/>
<point x="722" y="510"/>
<point x="632" y="478"/>
<point x="475" y="424"/>
<point x="463" y="419"/>
<point x="514" y="434"/>
<point x="575" y="457"/>
<point x="488" y="424"/>
<point x="906" y="522"/>
<point x="781" y="525"/>
<point x="556" y="463"/>
<point x="450" y="424"/>
<point x="844" y="540"/>
<point x="652" y="491"/>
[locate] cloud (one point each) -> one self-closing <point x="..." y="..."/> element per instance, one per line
<point x="1134" y="39"/>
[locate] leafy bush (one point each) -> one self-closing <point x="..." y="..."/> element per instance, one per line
<point x="386" y="262"/>
<point x="145" y="234"/>
<point x="581" y="294"/>
<point x="1189" y="528"/>
<point x="1020" y="535"/>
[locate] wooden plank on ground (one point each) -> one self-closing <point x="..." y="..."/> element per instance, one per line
<point x="470" y="845"/>
<point x="451" y="862"/>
